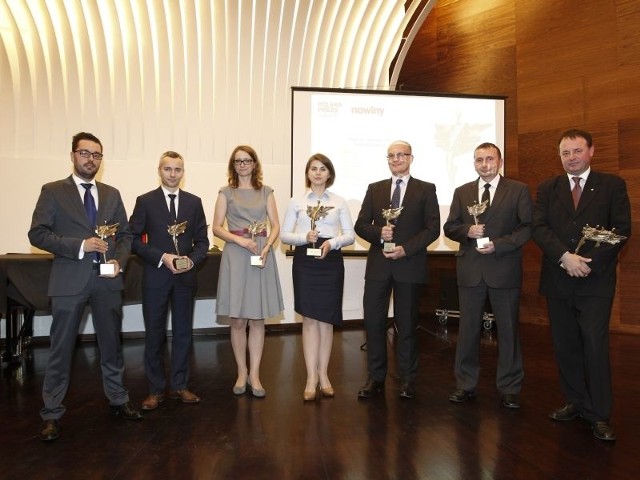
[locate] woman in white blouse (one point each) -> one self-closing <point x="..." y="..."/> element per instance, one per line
<point x="318" y="268"/>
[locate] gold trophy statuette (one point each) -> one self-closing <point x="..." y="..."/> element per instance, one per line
<point x="390" y="214"/>
<point x="315" y="214"/>
<point x="175" y="230"/>
<point x="105" y="231"/>
<point x="256" y="228"/>
<point x="599" y="235"/>
<point x="475" y="211"/>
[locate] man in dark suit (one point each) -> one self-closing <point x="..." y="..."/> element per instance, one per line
<point x="401" y="270"/>
<point x="64" y="223"/>
<point x="489" y="262"/>
<point x="169" y="276"/>
<point x="580" y="286"/>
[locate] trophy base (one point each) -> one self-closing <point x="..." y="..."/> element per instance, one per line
<point x="256" y="261"/>
<point x="314" y="252"/>
<point x="107" y="269"/>
<point x="482" y="242"/>
<point x="388" y="247"/>
<point x="181" y="263"/>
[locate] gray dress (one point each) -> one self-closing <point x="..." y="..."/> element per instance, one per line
<point x="246" y="291"/>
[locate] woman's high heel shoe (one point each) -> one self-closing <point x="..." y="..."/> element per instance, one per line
<point x="309" y="396"/>
<point x="327" y="391"/>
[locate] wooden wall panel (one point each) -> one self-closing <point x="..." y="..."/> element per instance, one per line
<point x="561" y="64"/>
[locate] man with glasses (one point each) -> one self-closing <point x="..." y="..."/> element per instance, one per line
<point x="400" y="268"/>
<point x="64" y="223"/>
<point x="169" y="276"/>
<point x="580" y="286"/>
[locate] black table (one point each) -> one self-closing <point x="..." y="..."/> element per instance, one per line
<point x="24" y="279"/>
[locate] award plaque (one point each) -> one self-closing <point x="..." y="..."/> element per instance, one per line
<point x="105" y="231"/>
<point x="599" y="235"/>
<point x="315" y="214"/>
<point x="256" y="228"/>
<point x="475" y="211"/>
<point x="175" y="230"/>
<point x="390" y="214"/>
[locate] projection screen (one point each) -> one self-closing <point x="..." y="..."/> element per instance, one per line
<point x="354" y="127"/>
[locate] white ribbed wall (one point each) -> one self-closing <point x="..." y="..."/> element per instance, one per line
<point x="198" y="77"/>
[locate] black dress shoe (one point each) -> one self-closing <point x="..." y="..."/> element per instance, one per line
<point x="568" y="412"/>
<point x="126" y="411"/>
<point x="510" y="400"/>
<point x="50" y="431"/>
<point x="372" y="387"/>
<point x="461" y="395"/>
<point x="407" y="390"/>
<point x="603" y="431"/>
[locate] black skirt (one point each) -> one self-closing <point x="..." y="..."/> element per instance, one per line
<point x="318" y="285"/>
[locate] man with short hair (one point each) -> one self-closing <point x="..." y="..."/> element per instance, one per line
<point x="64" y="223"/>
<point x="400" y="269"/>
<point x="170" y="235"/>
<point x="489" y="263"/>
<point x="580" y="286"/>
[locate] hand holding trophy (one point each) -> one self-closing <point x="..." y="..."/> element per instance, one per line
<point x="316" y="213"/>
<point x="390" y="214"/>
<point x="181" y="263"/>
<point x="599" y="235"/>
<point x="105" y="231"/>
<point x="475" y="211"/>
<point x="256" y="228"/>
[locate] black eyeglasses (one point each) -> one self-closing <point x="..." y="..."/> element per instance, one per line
<point x="87" y="154"/>
<point x="399" y="156"/>
<point x="243" y="161"/>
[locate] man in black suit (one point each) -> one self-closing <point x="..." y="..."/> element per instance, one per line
<point x="169" y="276"/>
<point x="580" y="286"/>
<point x="64" y="223"/>
<point x="489" y="262"/>
<point x="401" y="270"/>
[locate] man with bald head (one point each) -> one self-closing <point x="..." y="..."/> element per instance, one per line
<point x="169" y="278"/>
<point x="396" y="264"/>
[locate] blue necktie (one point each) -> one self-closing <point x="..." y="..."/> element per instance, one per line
<point x="92" y="211"/>
<point x="90" y="205"/>
<point x="395" y="198"/>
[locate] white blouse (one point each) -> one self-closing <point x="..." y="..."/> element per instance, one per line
<point x="336" y="225"/>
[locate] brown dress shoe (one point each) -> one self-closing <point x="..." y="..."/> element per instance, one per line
<point x="152" y="401"/>
<point x="568" y="412"/>
<point x="184" y="395"/>
<point x="50" y="431"/>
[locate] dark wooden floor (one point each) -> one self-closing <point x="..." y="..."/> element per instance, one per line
<point x="281" y="437"/>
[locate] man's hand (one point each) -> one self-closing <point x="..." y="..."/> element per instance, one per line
<point x="94" y="244"/>
<point x="397" y="253"/>
<point x="575" y="265"/>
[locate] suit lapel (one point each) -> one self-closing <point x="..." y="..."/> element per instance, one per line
<point x="590" y="190"/>
<point x="71" y="190"/>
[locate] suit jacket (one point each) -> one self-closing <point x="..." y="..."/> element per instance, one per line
<point x="557" y="228"/>
<point x="151" y="217"/>
<point x="417" y="226"/>
<point x="59" y="226"/>
<point x="507" y="224"/>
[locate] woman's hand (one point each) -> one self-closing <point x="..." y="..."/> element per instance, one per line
<point x="312" y="236"/>
<point x="249" y="244"/>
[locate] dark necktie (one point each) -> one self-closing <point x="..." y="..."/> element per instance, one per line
<point x="486" y="195"/>
<point x="395" y="198"/>
<point x="172" y="207"/>
<point x="90" y="205"/>
<point x="576" y="192"/>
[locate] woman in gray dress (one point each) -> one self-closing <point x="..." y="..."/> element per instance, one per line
<point x="248" y="284"/>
